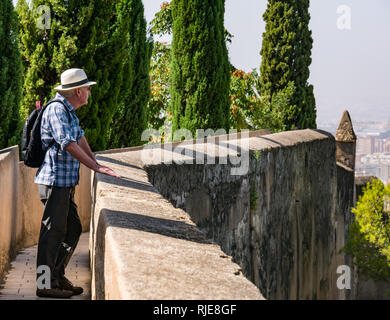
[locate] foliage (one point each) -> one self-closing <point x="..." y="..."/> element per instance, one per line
<point x="274" y="114"/>
<point x="162" y="22"/>
<point x="11" y="78"/>
<point x="159" y="77"/>
<point x="93" y="35"/>
<point x="79" y="36"/>
<point x="286" y="57"/>
<point x="159" y="115"/>
<point x="247" y="109"/>
<point x="200" y="76"/>
<point x="251" y="111"/>
<point x="369" y="236"/>
<point x="243" y="98"/>
<point x="130" y="119"/>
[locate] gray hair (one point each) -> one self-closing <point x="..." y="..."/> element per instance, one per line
<point x="68" y="93"/>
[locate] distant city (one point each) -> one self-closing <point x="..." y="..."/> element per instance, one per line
<point x="372" y="148"/>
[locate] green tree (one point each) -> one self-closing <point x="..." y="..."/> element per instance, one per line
<point x="200" y="76"/>
<point x="369" y="236"/>
<point x="159" y="76"/>
<point x="158" y="115"/>
<point x="162" y="22"/>
<point x="270" y="114"/>
<point x="130" y="119"/>
<point x="242" y="99"/>
<point x="286" y="57"/>
<point x="80" y="33"/>
<point x="251" y="111"/>
<point x="11" y="75"/>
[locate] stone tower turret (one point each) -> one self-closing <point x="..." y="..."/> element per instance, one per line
<point x="346" y="142"/>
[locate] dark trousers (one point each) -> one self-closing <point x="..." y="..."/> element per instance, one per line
<point x="60" y="230"/>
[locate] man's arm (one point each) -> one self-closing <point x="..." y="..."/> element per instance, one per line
<point x="78" y="153"/>
<point x="87" y="149"/>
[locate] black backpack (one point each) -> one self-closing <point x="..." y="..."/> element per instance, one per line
<point x="33" y="154"/>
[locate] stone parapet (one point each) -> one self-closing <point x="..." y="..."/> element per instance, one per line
<point x="276" y="217"/>
<point x="277" y="220"/>
<point x="142" y="247"/>
<point x="10" y="232"/>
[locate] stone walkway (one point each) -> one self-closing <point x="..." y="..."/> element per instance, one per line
<point x="20" y="281"/>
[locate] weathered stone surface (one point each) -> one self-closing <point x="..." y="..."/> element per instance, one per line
<point x="344" y="217"/>
<point x="8" y="206"/>
<point x="345" y="132"/>
<point x="144" y="248"/>
<point x="346" y="142"/>
<point x="368" y="289"/>
<point x="278" y="219"/>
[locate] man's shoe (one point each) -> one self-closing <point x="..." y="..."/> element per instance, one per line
<point x="65" y="284"/>
<point x="54" y="293"/>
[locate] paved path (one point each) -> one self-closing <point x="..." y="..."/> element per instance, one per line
<point x="20" y="281"/>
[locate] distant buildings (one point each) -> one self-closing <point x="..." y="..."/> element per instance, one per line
<point x="373" y="151"/>
<point x="372" y="147"/>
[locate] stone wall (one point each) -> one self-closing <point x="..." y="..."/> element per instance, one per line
<point x="278" y="221"/>
<point x="282" y="222"/>
<point x="143" y="248"/>
<point x="21" y="209"/>
<point x="343" y="219"/>
<point x="10" y="231"/>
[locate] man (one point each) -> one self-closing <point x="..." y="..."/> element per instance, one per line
<point x="57" y="178"/>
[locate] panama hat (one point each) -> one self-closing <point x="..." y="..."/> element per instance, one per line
<point x="72" y="79"/>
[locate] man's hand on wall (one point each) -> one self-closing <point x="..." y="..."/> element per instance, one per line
<point x="78" y="153"/>
<point x="107" y="171"/>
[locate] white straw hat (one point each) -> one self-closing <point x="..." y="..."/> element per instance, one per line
<point x="74" y="78"/>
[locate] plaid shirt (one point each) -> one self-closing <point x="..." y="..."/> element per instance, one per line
<point x="59" y="169"/>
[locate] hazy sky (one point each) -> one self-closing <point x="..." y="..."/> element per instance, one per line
<point x="350" y="68"/>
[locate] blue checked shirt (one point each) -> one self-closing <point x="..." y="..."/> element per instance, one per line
<point x="60" y="170"/>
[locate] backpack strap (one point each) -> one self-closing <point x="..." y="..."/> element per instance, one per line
<point x="67" y="111"/>
<point x="60" y="101"/>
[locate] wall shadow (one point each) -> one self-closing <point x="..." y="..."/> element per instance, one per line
<point x="118" y="162"/>
<point x="165" y="227"/>
<point x="128" y="183"/>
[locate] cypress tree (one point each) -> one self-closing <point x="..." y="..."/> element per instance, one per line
<point x="130" y="119"/>
<point x="286" y="57"/>
<point x="200" y="76"/>
<point x="11" y="75"/>
<point x="82" y="34"/>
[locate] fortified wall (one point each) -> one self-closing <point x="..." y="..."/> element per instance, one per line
<point x="261" y="216"/>
<point x="278" y="220"/>
<point x="281" y="220"/>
